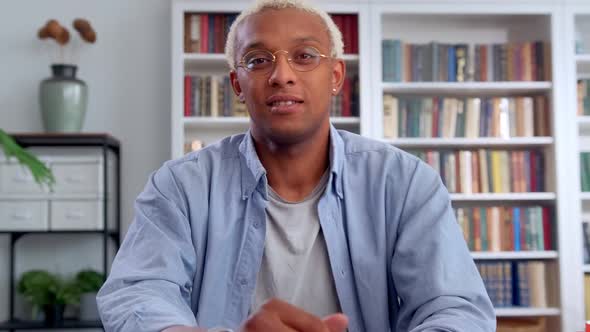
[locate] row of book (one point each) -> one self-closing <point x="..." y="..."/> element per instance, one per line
<point x="506" y="228"/>
<point x="584" y="97"/>
<point x="585" y="171"/>
<point x="348" y="26"/>
<point x="515" y="283"/>
<point x="211" y="96"/>
<point x="487" y="170"/>
<point x="586" y="240"/>
<point x="587" y="294"/>
<point x="206" y="33"/>
<point x="523" y="324"/>
<point x="346" y="103"/>
<point x="434" y="61"/>
<point x="418" y="116"/>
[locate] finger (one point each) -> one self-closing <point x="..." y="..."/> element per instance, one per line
<point x="294" y="317"/>
<point x="265" y="320"/>
<point x="336" y="322"/>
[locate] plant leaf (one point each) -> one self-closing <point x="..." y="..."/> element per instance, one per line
<point x="41" y="173"/>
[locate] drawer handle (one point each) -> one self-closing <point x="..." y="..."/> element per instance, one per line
<point x="21" y="216"/>
<point x="74" y="179"/>
<point x="75" y="215"/>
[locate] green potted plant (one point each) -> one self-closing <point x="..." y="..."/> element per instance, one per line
<point x="49" y="293"/>
<point x="88" y="283"/>
<point x="41" y="173"/>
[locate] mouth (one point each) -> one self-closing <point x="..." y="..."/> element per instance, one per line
<point x="284" y="104"/>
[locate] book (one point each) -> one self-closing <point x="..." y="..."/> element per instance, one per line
<point x="463" y="62"/>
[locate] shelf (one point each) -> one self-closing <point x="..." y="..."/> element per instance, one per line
<point x="408" y="142"/>
<point x="221" y="122"/>
<point x="66" y="139"/>
<point x="586" y="268"/>
<point x="540" y="196"/>
<point x="585" y="196"/>
<point x="216" y="122"/>
<point x="36" y="325"/>
<point x="467" y="88"/>
<point x="527" y="312"/>
<point x="514" y="255"/>
<point x="583" y="58"/>
<point x="583" y="63"/>
<point x="50" y="197"/>
<point x="76" y="231"/>
<point x="192" y="60"/>
<point x="584" y="121"/>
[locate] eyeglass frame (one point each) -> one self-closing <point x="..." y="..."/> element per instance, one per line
<point x="242" y="63"/>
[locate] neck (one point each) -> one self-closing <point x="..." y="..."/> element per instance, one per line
<point x="294" y="170"/>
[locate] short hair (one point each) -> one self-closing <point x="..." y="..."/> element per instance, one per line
<point x="336" y="44"/>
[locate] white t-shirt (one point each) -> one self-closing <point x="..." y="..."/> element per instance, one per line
<point x="295" y="265"/>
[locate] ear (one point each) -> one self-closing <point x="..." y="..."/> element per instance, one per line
<point x="235" y="84"/>
<point x="338" y="73"/>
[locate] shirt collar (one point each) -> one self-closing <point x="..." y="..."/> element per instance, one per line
<point x="253" y="174"/>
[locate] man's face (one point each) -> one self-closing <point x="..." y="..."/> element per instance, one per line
<point x="269" y="96"/>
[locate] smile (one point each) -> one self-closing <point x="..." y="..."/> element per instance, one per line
<point x="284" y="103"/>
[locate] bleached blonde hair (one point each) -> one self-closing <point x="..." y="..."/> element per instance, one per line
<point x="336" y="44"/>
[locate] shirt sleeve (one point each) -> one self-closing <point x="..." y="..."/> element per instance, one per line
<point x="150" y="283"/>
<point x="433" y="272"/>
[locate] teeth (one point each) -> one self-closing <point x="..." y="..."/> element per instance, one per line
<point x="283" y="103"/>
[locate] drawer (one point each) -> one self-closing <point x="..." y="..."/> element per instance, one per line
<point x="23" y="216"/>
<point x="76" y="215"/>
<point x="17" y="179"/>
<point x="77" y="178"/>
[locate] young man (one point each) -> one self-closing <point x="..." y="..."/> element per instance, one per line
<point x="283" y="227"/>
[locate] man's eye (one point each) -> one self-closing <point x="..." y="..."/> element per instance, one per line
<point x="305" y="57"/>
<point x="257" y="62"/>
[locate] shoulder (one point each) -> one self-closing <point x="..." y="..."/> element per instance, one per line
<point x="360" y="147"/>
<point x="374" y="155"/>
<point x="198" y="165"/>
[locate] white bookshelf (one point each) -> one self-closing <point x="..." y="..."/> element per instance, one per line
<point x="195" y="61"/>
<point x="408" y="143"/>
<point x="209" y="129"/>
<point x="454" y="21"/>
<point x="578" y="19"/>
<point x="527" y="312"/>
<point x="503" y="197"/>
<point x="243" y="122"/>
<point x="486" y="22"/>
<point x="467" y="88"/>
<point x="515" y="255"/>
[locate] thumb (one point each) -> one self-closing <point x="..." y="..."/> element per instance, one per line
<point x="336" y="322"/>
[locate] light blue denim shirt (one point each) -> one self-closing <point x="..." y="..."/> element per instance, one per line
<point x="397" y="255"/>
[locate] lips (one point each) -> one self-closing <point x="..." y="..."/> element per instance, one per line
<point x="284" y="104"/>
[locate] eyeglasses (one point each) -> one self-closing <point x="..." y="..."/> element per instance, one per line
<point x="301" y="58"/>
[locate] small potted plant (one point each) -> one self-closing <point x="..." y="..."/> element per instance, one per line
<point x="49" y="293"/>
<point x="88" y="283"/>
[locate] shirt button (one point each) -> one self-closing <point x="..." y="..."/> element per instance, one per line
<point x="257" y="223"/>
<point x="243" y="281"/>
<point x="342" y="273"/>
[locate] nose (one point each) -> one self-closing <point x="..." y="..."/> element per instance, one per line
<point x="282" y="74"/>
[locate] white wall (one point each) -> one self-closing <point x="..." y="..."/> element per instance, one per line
<point x="128" y="74"/>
